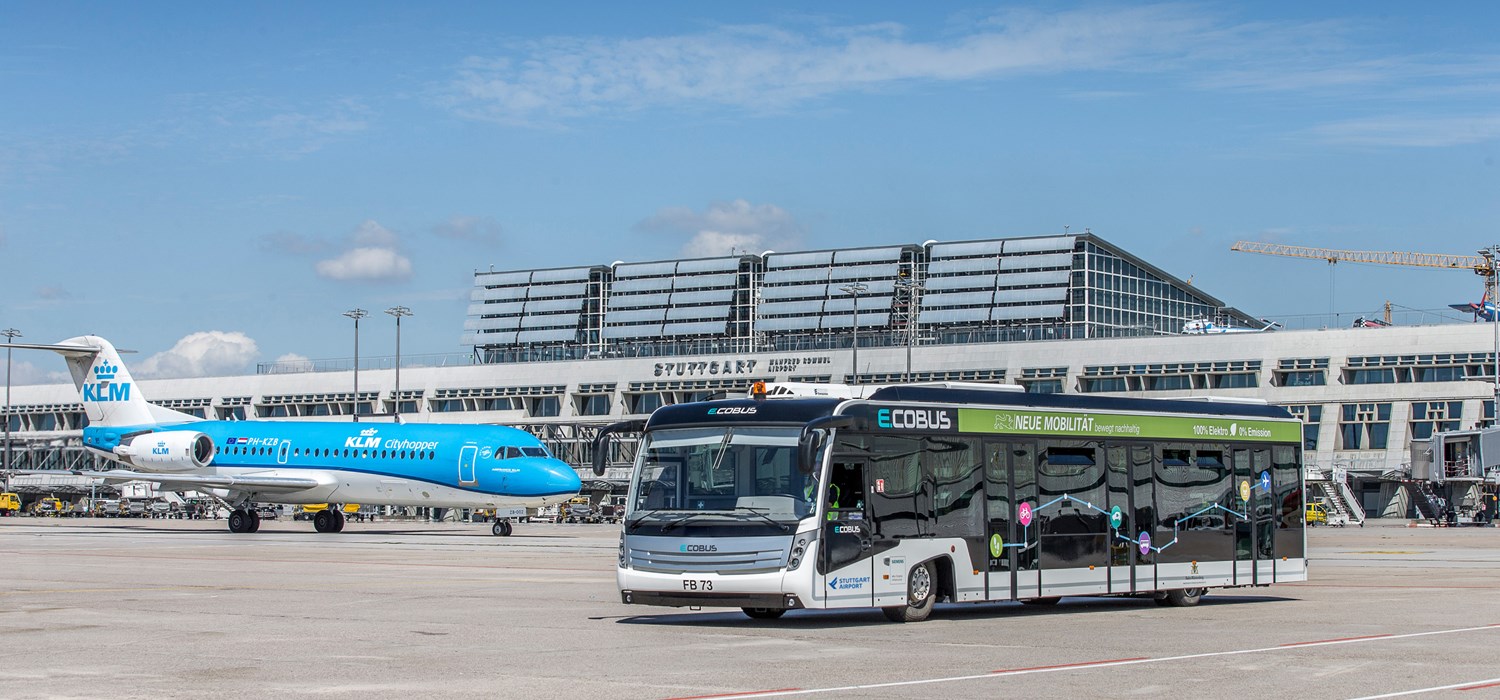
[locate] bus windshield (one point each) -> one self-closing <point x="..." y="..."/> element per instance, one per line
<point x="739" y="473"/>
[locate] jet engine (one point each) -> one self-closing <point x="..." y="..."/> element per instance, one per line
<point x="170" y="451"/>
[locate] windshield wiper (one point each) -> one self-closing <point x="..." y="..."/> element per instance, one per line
<point x="680" y="521"/>
<point x="641" y="517"/>
<point x="761" y="513"/>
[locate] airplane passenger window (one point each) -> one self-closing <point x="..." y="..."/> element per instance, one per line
<point x="430" y="455"/>
<point x="365" y="453"/>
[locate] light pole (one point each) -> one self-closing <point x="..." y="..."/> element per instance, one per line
<point x="356" y="314"/>
<point x="913" y="293"/>
<point x="855" y="289"/>
<point x="1492" y="291"/>
<point x="10" y="335"/>
<point x="398" y="312"/>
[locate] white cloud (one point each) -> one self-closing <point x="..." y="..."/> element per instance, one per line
<point x="293" y="362"/>
<point x="202" y="354"/>
<point x="366" y="265"/>
<point x="725" y="228"/>
<point x="1412" y="131"/>
<point x="767" y="68"/>
<point x="374" y="258"/>
<point x="371" y="233"/>
<point x="23" y="373"/>
<point x="480" y="229"/>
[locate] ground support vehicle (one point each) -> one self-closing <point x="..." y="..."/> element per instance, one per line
<point x="48" y="506"/>
<point x="579" y="510"/>
<point x="926" y="493"/>
<point x="106" y="508"/>
<point x="10" y="503"/>
<point x="1317" y="514"/>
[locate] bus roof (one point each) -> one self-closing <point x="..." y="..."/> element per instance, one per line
<point x="921" y="394"/>
<point x="796" y="411"/>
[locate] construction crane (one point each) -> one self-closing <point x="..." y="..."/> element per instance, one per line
<point x="1483" y="264"/>
<point x="1480" y="264"/>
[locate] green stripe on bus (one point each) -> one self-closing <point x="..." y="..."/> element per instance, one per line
<point x="1004" y="422"/>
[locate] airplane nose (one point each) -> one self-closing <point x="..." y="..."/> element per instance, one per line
<point x="563" y="479"/>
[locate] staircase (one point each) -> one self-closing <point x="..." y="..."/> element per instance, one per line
<point x="1425" y="501"/>
<point x="1340" y="501"/>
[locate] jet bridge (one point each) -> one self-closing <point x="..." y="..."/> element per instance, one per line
<point x="1460" y="474"/>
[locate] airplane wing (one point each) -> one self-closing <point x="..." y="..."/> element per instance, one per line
<point x="263" y="484"/>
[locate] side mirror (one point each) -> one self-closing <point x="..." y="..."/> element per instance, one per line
<point x="813" y="437"/>
<point x="808" y="447"/>
<point x="605" y="437"/>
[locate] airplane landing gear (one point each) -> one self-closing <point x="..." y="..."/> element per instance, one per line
<point x="501" y="528"/>
<point x="329" y="520"/>
<point x="242" y="520"/>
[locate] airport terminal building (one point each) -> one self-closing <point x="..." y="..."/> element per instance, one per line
<point x="564" y="351"/>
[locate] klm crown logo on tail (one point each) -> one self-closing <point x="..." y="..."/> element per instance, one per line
<point x="103" y="388"/>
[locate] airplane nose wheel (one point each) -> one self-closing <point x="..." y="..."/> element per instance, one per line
<point x="501" y="528"/>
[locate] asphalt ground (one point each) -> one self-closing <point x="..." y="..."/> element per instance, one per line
<point x="159" y="608"/>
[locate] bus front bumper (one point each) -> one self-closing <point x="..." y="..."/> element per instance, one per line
<point x="688" y="599"/>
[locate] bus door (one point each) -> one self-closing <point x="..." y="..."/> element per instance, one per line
<point x="999" y="516"/>
<point x="1120" y="523"/>
<point x="1244" y="498"/>
<point x="1142" y="522"/>
<point x="846" y="567"/>
<point x="1263" y="514"/>
<point x="1026" y="525"/>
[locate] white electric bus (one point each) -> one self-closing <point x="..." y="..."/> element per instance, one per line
<point x="919" y="493"/>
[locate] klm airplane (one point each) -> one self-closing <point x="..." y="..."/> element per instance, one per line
<point x="248" y="462"/>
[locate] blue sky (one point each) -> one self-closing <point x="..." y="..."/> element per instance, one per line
<point x="212" y="184"/>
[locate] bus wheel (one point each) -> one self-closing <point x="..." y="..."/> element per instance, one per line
<point x="1183" y="597"/>
<point x="764" y="613"/>
<point x="920" y="594"/>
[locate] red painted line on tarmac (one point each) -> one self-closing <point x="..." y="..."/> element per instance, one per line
<point x="1482" y="685"/>
<point x="1340" y="639"/>
<point x="1077" y="665"/>
<point x="748" y="693"/>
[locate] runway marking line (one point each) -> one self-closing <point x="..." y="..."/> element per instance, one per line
<point x="1340" y="639"/>
<point x="1127" y="662"/>
<point x="736" y="695"/>
<point x="1080" y="664"/>
<point x="1469" y="685"/>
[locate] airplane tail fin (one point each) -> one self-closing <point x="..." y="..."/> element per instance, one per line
<point x="110" y="396"/>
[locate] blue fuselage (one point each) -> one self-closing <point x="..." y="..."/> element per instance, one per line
<point x="479" y="460"/>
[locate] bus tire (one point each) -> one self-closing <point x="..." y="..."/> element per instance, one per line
<point x="764" y="613"/>
<point x="921" y="594"/>
<point x="1184" y="597"/>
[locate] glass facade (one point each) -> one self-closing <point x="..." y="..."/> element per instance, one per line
<point x="999" y="290"/>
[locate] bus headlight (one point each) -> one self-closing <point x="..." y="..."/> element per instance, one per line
<point x="800" y="545"/>
<point x="622" y="551"/>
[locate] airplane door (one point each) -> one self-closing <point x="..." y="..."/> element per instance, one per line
<point x="466" y="458"/>
<point x="282" y="451"/>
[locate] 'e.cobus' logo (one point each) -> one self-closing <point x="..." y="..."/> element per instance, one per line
<point x="914" y="419"/>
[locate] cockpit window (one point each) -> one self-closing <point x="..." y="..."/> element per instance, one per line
<point x="534" y="452"/>
<point x="511" y="453"/>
